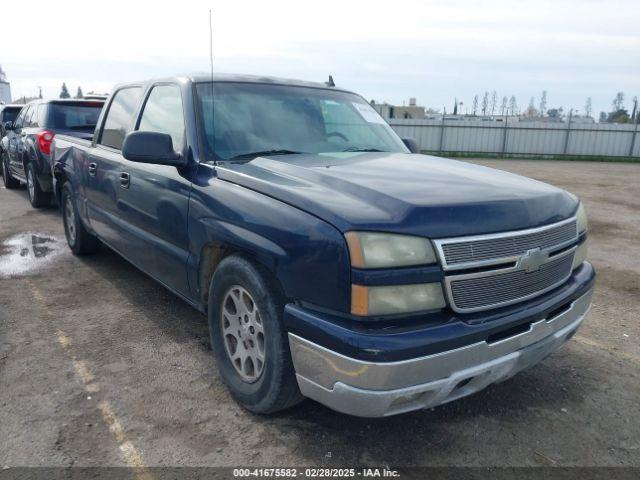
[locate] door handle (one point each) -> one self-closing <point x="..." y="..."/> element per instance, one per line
<point x="124" y="180"/>
<point x="93" y="169"/>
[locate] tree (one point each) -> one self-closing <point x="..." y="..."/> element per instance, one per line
<point x="635" y="109"/>
<point x="64" y="93"/>
<point x="619" y="116"/>
<point x="531" y="109"/>
<point x="503" y="106"/>
<point x="543" y="103"/>
<point x="455" y="106"/>
<point x="79" y="93"/>
<point x="494" y="102"/>
<point x="618" y="102"/>
<point x="556" y="113"/>
<point x="485" y="103"/>
<point x="513" y="106"/>
<point x="475" y="105"/>
<point x="588" y="107"/>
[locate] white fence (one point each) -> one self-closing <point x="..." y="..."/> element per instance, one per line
<point x="521" y="138"/>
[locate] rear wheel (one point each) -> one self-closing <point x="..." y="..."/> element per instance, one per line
<point x="80" y="241"/>
<point x="37" y="196"/>
<point x="7" y="178"/>
<point x="248" y="338"/>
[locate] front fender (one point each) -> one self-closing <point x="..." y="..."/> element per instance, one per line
<point x="307" y="255"/>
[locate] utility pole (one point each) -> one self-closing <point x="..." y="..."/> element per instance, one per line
<point x="635" y="134"/>
<point x="566" y="140"/>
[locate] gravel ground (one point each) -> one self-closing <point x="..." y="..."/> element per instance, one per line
<point x="99" y="365"/>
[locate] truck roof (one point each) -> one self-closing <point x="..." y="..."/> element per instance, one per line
<point x="239" y="78"/>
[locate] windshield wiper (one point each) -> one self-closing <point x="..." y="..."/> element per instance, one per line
<point x="356" y="149"/>
<point x="264" y="153"/>
<point x="81" y="127"/>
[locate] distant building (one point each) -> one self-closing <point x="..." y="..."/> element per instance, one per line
<point x="5" y="88"/>
<point x="388" y="111"/>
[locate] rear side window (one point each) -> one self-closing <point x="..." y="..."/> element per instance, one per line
<point x="83" y="117"/>
<point x="23" y="113"/>
<point x="163" y="113"/>
<point x="119" y="119"/>
<point x="30" y="120"/>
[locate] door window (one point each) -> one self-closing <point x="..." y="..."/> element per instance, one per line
<point x="119" y="119"/>
<point x="23" y="113"/>
<point x="163" y="113"/>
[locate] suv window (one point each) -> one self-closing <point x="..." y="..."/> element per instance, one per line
<point x="163" y="113"/>
<point x="74" y="116"/>
<point x="10" y="114"/>
<point x="19" y="123"/>
<point x="119" y="119"/>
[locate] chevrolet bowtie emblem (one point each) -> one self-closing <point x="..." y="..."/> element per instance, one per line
<point x="533" y="260"/>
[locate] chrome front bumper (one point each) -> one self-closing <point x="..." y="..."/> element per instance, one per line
<point x="369" y="389"/>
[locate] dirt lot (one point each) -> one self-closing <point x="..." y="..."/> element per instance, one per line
<point x="99" y="365"/>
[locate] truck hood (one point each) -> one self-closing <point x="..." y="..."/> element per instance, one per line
<point x="404" y="193"/>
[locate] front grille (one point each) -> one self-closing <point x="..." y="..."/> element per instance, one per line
<point x="496" y="289"/>
<point x="493" y="247"/>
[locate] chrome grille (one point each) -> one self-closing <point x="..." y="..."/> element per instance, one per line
<point x="473" y="292"/>
<point x="489" y="249"/>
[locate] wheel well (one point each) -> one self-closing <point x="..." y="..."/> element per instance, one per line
<point x="211" y="257"/>
<point x="60" y="177"/>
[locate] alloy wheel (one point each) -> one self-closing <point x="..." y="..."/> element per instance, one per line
<point x="70" y="219"/>
<point x="243" y="333"/>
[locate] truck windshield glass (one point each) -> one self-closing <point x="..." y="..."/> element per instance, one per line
<point x="252" y="118"/>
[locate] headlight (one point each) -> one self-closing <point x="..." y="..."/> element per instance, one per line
<point x="395" y="299"/>
<point x="580" y="255"/>
<point x="581" y="219"/>
<point x="387" y="250"/>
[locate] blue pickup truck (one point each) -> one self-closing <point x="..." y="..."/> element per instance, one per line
<point x="332" y="261"/>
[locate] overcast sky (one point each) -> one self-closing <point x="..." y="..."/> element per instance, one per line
<point x="386" y="50"/>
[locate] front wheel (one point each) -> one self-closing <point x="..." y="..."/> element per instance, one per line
<point x="80" y="241"/>
<point x="9" y="182"/>
<point x="38" y="197"/>
<point x="248" y="338"/>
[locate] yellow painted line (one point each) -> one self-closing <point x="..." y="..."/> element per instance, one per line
<point x="132" y="456"/>
<point x="594" y="343"/>
<point x="83" y="371"/>
<point x="62" y="338"/>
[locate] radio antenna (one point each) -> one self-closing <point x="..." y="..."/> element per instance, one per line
<point x="213" y="115"/>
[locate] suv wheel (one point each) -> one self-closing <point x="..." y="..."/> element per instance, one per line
<point x="37" y="196"/>
<point x="248" y="338"/>
<point x="7" y="178"/>
<point x="80" y="241"/>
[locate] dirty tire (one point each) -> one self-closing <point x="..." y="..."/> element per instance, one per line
<point x="80" y="241"/>
<point x="276" y="388"/>
<point x="38" y="197"/>
<point x="9" y="182"/>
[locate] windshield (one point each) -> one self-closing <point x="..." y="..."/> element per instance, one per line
<point x="276" y="119"/>
<point x="74" y="117"/>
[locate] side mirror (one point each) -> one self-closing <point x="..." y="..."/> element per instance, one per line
<point x="151" y="147"/>
<point x="8" y="126"/>
<point x="411" y="144"/>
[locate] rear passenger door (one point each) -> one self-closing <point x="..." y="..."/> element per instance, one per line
<point x="104" y="165"/>
<point x="154" y="204"/>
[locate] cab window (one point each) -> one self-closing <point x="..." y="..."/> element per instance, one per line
<point x="119" y="120"/>
<point x="163" y="113"/>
